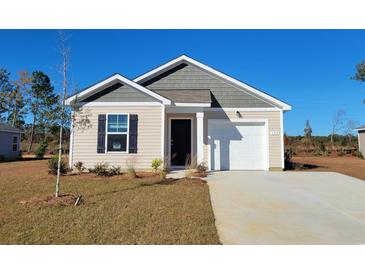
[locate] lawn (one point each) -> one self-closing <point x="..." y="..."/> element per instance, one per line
<point x="116" y="210"/>
<point x="347" y="165"/>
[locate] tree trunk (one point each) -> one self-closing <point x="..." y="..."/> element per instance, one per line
<point x="31" y="135"/>
<point x="64" y="53"/>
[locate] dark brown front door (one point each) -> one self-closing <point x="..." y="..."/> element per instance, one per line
<point x="180" y="141"/>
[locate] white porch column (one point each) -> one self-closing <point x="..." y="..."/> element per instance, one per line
<point x="200" y="137"/>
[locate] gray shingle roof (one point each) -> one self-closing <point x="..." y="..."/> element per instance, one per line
<point x="5" y="127"/>
<point x="186" y="95"/>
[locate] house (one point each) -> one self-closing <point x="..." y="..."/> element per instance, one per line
<point x="361" y="138"/>
<point x="9" y="142"/>
<point x="181" y="109"/>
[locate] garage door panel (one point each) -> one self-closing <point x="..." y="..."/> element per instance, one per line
<point x="236" y="145"/>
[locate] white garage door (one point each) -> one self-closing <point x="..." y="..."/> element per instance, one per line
<point x="237" y="145"/>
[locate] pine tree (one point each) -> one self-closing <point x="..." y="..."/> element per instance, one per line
<point x="43" y="103"/>
<point x="307" y="130"/>
<point x="6" y="89"/>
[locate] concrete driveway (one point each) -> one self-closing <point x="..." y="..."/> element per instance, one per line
<point x="288" y="207"/>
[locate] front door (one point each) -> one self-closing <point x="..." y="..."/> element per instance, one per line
<point x="180" y="149"/>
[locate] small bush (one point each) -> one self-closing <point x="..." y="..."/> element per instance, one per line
<point x="130" y="163"/>
<point x="202" y="168"/>
<point x="53" y="165"/>
<point x="131" y="173"/>
<point x="359" y="155"/>
<point x="156" y="163"/>
<point x="114" y="170"/>
<point x="100" y="169"/>
<point x="288" y="154"/>
<point x="163" y="174"/>
<point x="41" y="150"/>
<point x="317" y="152"/>
<point x="80" y="167"/>
<point x="2" y="158"/>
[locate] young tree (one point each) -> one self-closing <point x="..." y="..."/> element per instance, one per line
<point x="65" y="52"/>
<point x="42" y="103"/>
<point x="308" y="130"/>
<point x="349" y="130"/>
<point x="337" y="123"/>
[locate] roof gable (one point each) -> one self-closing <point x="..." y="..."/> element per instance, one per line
<point x="110" y="81"/>
<point x="178" y="62"/>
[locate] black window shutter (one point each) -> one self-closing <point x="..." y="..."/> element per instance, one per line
<point x="101" y="133"/>
<point x="133" y="133"/>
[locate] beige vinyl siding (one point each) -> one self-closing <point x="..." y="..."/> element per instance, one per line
<point x="149" y="137"/>
<point x="361" y="140"/>
<point x="275" y="150"/>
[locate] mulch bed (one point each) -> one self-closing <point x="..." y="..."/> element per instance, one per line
<point x="195" y="181"/>
<point x="50" y="201"/>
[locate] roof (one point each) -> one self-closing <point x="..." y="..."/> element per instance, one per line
<point x="185" y="59"/>
<point x="8" y="128"/>
<point x="362" y="127"/>
<point x="111" y="80"/>
<point x="186" y="95"/>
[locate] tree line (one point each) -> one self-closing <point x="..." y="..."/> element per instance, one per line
<point x="31" y="97"/>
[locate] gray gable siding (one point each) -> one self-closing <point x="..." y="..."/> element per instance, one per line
<point x="120" y="93"/>
<point x="190" y="77"/>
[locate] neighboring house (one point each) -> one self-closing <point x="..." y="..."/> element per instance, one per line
<point x="9" y="142"/>
<point x="361" y="138"/>
<point x="178" y="110"/>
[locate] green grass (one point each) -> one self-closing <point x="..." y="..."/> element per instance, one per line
<point x="116" y="210"/>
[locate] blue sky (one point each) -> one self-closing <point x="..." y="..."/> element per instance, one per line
<point x="309" y="69"/>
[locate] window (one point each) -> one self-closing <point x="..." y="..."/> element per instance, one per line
<point x="15" y="143"/>
<point x="117" y="133"/>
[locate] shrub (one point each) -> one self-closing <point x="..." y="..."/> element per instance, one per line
<point x="322" y="146"/>
<point x="327" y="152"/>
<point x="114" y="170"/>
<point x="156" y="163"/>
<point x="131" y="172"/>
<point x="317" y="151"/>
<point x="100" y="169"/>
<point x="163" y="174"/>
<point x="288" y="154"/>
<point x="359" y="155"/>
<point x="41" y="150"/>
<point x="80" y="167"/>
<point x="2" y="158"/>
<point x="202" y="168"/>
<point x="53" y="165"/>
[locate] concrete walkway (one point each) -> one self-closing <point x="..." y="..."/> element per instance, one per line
<point x="288" y="207"/>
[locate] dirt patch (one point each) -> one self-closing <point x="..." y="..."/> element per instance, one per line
<point x="348" y="165"/>
<point x="50" y="201"/>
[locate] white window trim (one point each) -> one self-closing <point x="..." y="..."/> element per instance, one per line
<point x="17" y="143"/>
<point x="169" y="139"/>
<point x="116" y="133"/>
